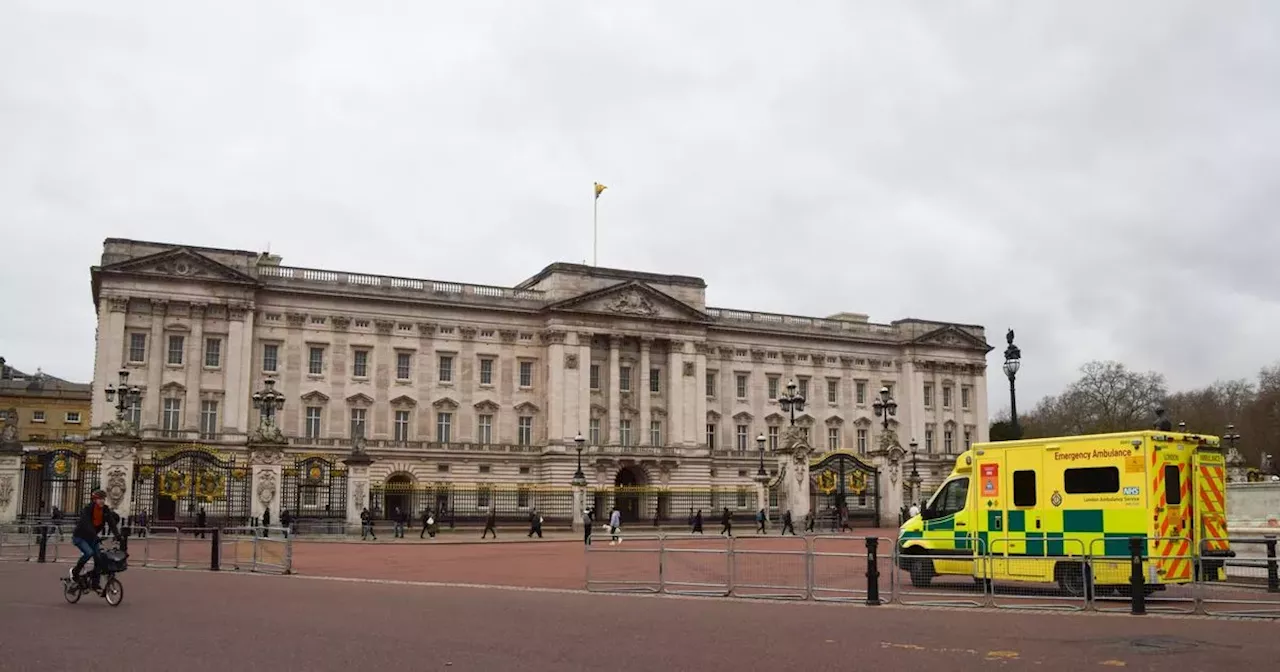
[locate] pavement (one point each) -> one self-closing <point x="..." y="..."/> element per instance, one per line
<point x="197" y="620"/>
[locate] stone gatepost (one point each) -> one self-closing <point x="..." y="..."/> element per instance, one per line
<point x="793" y="473"/>
<point x="358" y="463"/>
<point x="266" y="466"/>
<point x="579" y="504"/>
<point x="888" y="460"/>
<point x="762" y="496"/>
<point x="118" y="455"/>
<point x="10" y="468"/>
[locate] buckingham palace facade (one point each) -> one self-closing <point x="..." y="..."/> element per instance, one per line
<point x="451" y="384"/>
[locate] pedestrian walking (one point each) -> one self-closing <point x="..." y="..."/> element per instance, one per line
<point x="786" y="523"/>
<point x="809" y="521"/>
<point x="615" y="527"/>
<point x="286" y="521"/>
<point x="266" y="521"/>
<point x="726" y="523"/>
<point x="760" y="518"/>
<point x="428" y="524"/>
<point x="366" y="525"/>
<point x="398" y="518"/>
<point x="587" y="521"/>
<point x="491" y="524"/>
<point x="535" y="523"/>
<point x="201" y="518"/>
<point x="697" y="523"/>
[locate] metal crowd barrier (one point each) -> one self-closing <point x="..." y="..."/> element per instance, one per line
<point x="1133" y="575"/>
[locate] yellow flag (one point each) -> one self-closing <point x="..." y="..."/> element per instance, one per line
<point x="600" y="189"/>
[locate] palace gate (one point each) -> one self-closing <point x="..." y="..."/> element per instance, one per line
<point x="61" y="477"/>
<point x="838" y="481"/>
<point x="314" y="489"/>
<point x="175" y="485"/>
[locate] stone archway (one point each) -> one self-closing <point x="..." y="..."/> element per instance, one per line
<point x="398" y="494"/>
<point x="629" y="484"/>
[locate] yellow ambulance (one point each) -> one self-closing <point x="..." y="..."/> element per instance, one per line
<point x="1007" y="503"/>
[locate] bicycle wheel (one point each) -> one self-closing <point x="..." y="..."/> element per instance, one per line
<point x="113" y="592"/>
<point x="70" y="591"/>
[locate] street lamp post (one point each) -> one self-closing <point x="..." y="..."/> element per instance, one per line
<point x="269" y="401"/>
<point x="885" y="407"/>
<point x="761" y="473"/>
<point x="791" y="402"/>
<point x="579" y="478"/>
<point x="1013" y="362"/>
<point x="914" y="478"/>
<point x="123" y="395"/>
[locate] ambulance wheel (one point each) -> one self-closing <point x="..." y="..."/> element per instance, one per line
<point x="921" y="570"/>
<point x="1070" y="579"/>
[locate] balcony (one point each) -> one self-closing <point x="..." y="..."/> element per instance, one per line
<point x="408" y="288"/>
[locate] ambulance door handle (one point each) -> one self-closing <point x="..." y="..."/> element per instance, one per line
<point x="1037" y="523"/>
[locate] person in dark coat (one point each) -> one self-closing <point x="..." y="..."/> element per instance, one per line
<point x="491" y="524"/>
<point x="535" y="523"/>
<point x="428" y="524"/>
<point x="94" y="518"/>
<point x="201" y="519"/>
<point x="726" y="522"/>
<point x="266" y="521"/>
<point x="786" y="523"/>
<point x="697" y="523"/>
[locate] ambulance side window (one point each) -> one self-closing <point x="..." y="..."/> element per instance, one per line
<point x="1091" y="481"/>
<point x="952" y="499"/>
<point x="1172" y="485"/>
<point x="1024" y="488"/>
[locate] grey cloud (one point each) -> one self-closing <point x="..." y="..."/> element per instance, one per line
<point x="1099" y="176"/>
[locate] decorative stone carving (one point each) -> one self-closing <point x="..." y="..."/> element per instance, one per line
<point x="6" y="490"/>
<point x="118" y="304"/>
<point x="632" y="302"/>
<point x="846" y="361"/>
<point x="788" y="356"/>
<point x="266" y="455"/>
<point x="690" y="368"/>
<point x="340" y="322"/>
<point x="116" y="487"/>
<point x="358" y="500"/>
<point x="120" y="451"/>
<point x="426" y="328"/>
<point x="467" y="333"/>
<point x="553" y="337"/>
<point x="888" y="439"/>
<point x="267" y="433"/>
<point x="267" y="487"/>
<point x="570" y="361"/>
<point x="9" y="434"/>
<point x="118" y="429"/>
<point x="445" y="404"/>
<point x="508" y="335"/>
<point x="236" y="312"/>
<point x="757" y="355"/>
<point x="295" y="319"/>
<point x="384" y="326"/>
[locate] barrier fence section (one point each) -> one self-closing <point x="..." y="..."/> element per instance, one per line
<point x="1122" y="574"/>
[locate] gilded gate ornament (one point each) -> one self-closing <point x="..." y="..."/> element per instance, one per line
<point x="267" y="487"/>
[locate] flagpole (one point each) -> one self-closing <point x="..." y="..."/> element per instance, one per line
<point x="595" y="228"/>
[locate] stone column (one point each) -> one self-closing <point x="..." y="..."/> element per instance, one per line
<point x="579" y="505"/>
<point x="891" y="479"/>
<point x="10" y="467"/>
<point x="643" y="392"/>
<point x="111" y="344"/>
<point x="793" y="473"/>
<point x="556" y="388"/>
<point x="237" y="360"/>
<point x="195" y="366"/>
<point x="615" y="391"/>
<point x="267" y="471"/>
<point x="911" y="401"/>
<point x="699" y="405"/>
<point x="762" y="496"/>
<point x="358" y="486"/>
<point x="584" y="383"/>
<point x="151" y="400"/>
<point x="118" y="452"/>
<point x="675" y="392"/>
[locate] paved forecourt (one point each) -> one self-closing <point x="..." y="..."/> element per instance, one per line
<point x="220" y="621"/>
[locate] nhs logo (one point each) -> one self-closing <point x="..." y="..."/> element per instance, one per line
<point x="1131" y="491"/>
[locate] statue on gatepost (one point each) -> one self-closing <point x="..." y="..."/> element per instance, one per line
<point x="9" y="442"/>
<point x="793" y="471"/>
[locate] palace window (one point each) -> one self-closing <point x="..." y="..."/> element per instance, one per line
<point x="524" y="430"/>
<point x="833" y="438"/>
<point x="315" y="361"/>
<point x="212" y="353"/>
<point x="484" y="429"/>
<point x="270" y="357"/>
<point x="208" y="419"/>
<point x="444" y="427"/>
<point x="402" y="426"/>
<point x="176" y="346"/>
<point x="137" y="348"/>
<point x="624" y="379"/>
<point x="360" y="365"/>
<point x="486" y="371"/>
<point x="446" y="368"/>
<point x="526" y="374"/>
<point x="404" y="363"/>
<point x="311" y="427"/>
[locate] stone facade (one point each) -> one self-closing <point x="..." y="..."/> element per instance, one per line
<point x="47" y="408"/>
<point x="466" y="383"/>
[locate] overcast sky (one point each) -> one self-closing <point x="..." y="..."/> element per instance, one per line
<point x="1101" y="176"/>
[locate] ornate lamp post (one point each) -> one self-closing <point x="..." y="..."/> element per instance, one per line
<point x="579" y="478"/>
<point x="791" y="402"/>
<point x="885" y="407"/>
<point x="761" y="473"/>
<point x="122" y="395"/>
<point x="914" y="478"/>
<point x="268" y="400"/>
<point x="1013" y="362"/>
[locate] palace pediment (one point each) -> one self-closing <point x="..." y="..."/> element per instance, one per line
<point x="952" y="337"/>
<point x="632" y="299"/>
<point x="180" y="263"/>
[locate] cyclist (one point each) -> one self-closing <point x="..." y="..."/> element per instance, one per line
<point x="93" y="519"/>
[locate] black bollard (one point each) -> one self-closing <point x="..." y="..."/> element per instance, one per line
<point x="873" y="573"/>
<point x="44" y="545"/>
<point x="1273" y="572"/>
<point x="215" y="554"/>
<point x="1137" y="580"/>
